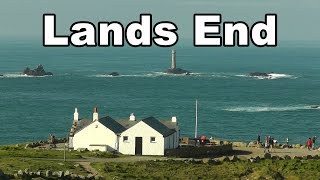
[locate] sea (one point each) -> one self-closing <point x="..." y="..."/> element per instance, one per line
<point x="231" y="105"/>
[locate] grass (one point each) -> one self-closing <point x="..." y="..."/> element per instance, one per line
<point x="265" y="169"/>
<point x="14" y="158"/>
<point x="12" y="165"/>
<point x="13" y="151"/>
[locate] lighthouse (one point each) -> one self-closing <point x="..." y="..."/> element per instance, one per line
<point x="173" y="69"/>
<point x="173" y="59"/>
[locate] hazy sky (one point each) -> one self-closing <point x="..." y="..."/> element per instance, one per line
<point x="297" y="19"/>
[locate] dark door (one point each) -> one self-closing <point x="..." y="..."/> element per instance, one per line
<point x="138" y="145"/>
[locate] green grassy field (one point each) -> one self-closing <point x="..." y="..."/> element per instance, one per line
<point x="13" y="151"/>
<point x="13" y="158"/>
<point x="265" y="169"/>
<point x="12" y="165"/>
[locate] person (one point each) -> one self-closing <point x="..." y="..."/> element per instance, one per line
<point x="309" y="144"/>
<point x="266" y="144"/>
<point x="287" y="141"/>
<point x="271" y="143"/>
<point x="314" y="142"/>
<point x="275" y="142"/>
<point x="258" y="140"/>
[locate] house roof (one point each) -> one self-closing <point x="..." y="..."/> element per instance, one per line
<point x="127" y="124"/>
<point x="169" y="124"/>
<point x="112" y="124"/>
<point x="165" y="128"/>
<point x="158" y="126"/>
<point x="82" y="123"/>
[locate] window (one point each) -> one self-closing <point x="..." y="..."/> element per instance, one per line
<point x="152" y="139"/>
<point x="125" y="138"/>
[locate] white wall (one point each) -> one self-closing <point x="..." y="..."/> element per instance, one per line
<point x="99" y="148"/>
<point x="95" y="134"/>
<point x="141" y="129"/>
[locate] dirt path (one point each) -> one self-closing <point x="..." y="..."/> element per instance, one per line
<point x="88" y="168"/>
<point x="279" y="152"/>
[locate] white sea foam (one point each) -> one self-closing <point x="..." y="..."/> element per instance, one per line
<point x="19" y="76"/>
<point x="267" y="109"/>
<point x="271" y="76"/>
<point x="160" y="74"/>
<point x="278" y="76"/>
<point x="122" y="75"/>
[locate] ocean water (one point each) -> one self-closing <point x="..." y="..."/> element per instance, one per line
<point x="231" y="105"/>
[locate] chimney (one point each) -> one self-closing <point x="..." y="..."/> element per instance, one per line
<point x="76" y="115"/>
<point x="174" y="119"/>
<point x="95" y="116"/>
<point x="173" y="59"/>
<point x="132" y="117"/>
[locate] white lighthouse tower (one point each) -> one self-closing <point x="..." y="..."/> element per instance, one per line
<point x="173" y="59"/>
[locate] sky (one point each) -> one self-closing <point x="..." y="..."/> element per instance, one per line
<point x="297" y="19"/>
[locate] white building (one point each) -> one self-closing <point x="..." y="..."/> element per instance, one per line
<point x="134" y="137"/>
<point x="96" y="134"/>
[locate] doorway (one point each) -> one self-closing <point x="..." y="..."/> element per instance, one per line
<point x="138" y="146"/>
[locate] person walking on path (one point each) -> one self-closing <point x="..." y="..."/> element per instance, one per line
<point x="309" y="144"/>
<point x="314" y="142"/>
<point x="258" y="140"/>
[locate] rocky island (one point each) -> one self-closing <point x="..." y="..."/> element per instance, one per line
<point x="174" y="69"/>
<point x="114" y="74"/>
<point x="39" y="71"/>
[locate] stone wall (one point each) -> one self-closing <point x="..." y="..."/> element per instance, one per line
<point x="47" y="174"/>
<point x="198" y="152"/>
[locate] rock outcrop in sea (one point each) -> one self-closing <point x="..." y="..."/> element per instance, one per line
<point x="177" y="71"/>
<point x="39" y="71"/>
<point x="114" y="74"/>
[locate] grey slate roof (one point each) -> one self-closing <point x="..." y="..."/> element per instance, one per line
<point x="112" y="124"/>
<point x="158" y="126"/>
<point x="127" y="124"/>
<point x="169" y="124"/>
<point x="82" y="123"/>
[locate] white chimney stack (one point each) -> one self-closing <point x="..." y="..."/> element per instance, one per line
<point x="76" y="115"/>
<point x="132" y="117"/>
<point x="174" y="119"/>
<point x="95" y="116"/>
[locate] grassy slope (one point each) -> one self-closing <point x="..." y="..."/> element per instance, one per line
<point x="266" y="169"/>
<point x="14" y="158"/>
<point x="12" y="165"/>
<point x="12" y="151"/>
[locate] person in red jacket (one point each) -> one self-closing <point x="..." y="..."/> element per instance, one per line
<point x="309" y="144"/>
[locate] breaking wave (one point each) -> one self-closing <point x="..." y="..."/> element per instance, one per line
<point x="268" y="109"/>
<point x="271" y="76"/>
<point x="163" y="74"/>
<point x="20" y="76"/>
